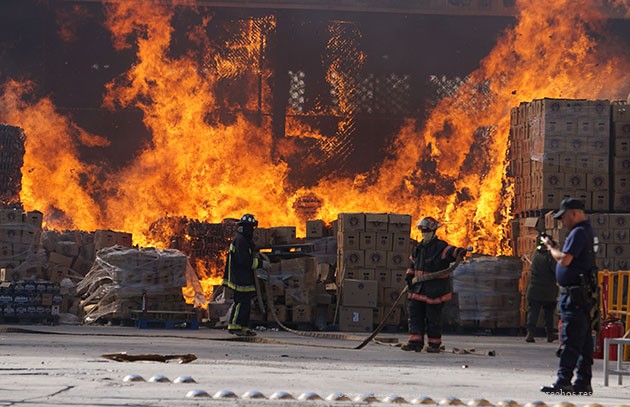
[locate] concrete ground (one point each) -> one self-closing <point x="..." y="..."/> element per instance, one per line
<point x="63" y="366"/>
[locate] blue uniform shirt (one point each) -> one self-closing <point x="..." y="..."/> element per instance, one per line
<point x="579" y="243"/>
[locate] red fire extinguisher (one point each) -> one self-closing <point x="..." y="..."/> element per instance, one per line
<point x="612" y="327"/>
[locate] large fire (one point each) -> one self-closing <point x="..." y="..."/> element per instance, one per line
<point x="452" y="167"/>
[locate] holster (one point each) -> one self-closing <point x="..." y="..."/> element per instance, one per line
<point x="580" y="296"/>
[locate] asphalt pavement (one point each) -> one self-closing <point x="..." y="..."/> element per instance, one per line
<point x="64" y="366"/>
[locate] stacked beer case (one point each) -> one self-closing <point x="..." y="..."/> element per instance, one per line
<point x="373" y="254"/>
<point x="570" y="148"/>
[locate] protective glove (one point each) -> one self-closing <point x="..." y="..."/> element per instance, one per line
<point x="409" y="280"/>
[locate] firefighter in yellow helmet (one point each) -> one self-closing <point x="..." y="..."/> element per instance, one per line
<point x="427" y="299"/>
<point x="242" y="260"/>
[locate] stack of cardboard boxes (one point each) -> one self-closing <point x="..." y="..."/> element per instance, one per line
<point x="621" y="156"/>
<point x="125" y="279"/>
<point x="571" y="148"/>
<point x="19" y="244"/>
<point x="11" y="160"/>
<point x="560" y="148"/>
<point x="294" y="287"/>
<point x="373" y="254"/>
<point x="613" y="233"/>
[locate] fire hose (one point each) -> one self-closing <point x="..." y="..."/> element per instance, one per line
<point x="328" y="335"/>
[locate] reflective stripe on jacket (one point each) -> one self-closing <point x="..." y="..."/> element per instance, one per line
<point x="240" y="265"/>
<point x="427" y="258"/>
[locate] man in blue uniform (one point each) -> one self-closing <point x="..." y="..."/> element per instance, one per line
<point x="574" y="270"/>
<point x="242" y="260"/>
<point x="426" y="299"/>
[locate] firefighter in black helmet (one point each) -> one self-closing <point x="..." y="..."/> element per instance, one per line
<point x="242" y="260"/>
<point x="427" y="299"/>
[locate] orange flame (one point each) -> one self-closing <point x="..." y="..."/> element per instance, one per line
<point x="453" y="169"/>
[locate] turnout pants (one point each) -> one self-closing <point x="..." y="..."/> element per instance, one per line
<point x="577" y="344"/>
<point x="533" y="310"/>
<point x="239" y="317"/>
<point x="425" y="319"/>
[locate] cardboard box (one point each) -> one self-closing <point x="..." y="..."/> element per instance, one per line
<point x="619" y="220"/>
<point x="600" y="201"/>
<point x="621" y="236"/>
<point x="601" y="128"/>
<point x="622" y="183"/>
<point x="351" y="222"/>
<point x="618" y="250"/>
<point x="10" y="234"/>
<point x="60" y="259"/>
<point x="622" y="165"/>
<point x="375" y="259"/>
<point x="367" y="240"/>
<point x="621" y="202"/>
<point x="397" y="260"/>
<point x="567" y="163"/>
<point x="397" y="278"/>
<point x="553" y="181"/>
<point x="281" y="313"/>
<point x="399" y="223"/>
<point x="600" y="164"/>
<point x="356" y="319"/>
<point x="622" y="148"/>
<point x="302" y="313"/>
<point x="376" y="222"/>
<point x="34" y="218"/>
<point x="583" y="163"/>
<point x="620" y="111"/>
<point x="597" y="182"/>
<point x="69" y="249"/>
<point x="384" y="241"/>
<point x="390" y="295"/>
<point x="622" y="130"/>
<point x="314" y="229"/>
<point x="599" y="220"/>
<point x="349" y="240"/>
<point x="11" y="216"/>
<point x="280" y="235"/>
<point x="359" y="293"/>
<point x="598" y="146"/>
<point x="352" y="258"/>
<point x="555" y="144"/>
<point x="599" y="109"/>
<point x="358" y="274"/>
<point x="401" y="243"/>
<point x="605" y="263"/>
<point x="606" y="236"/>
<point x="261" y="237"/>
<point x="576" y="181"/>
<point x="57" y="272"/>
<point x="382" y="277"/>
<point x="392" y="320"/>
<point x="296" y="296"/>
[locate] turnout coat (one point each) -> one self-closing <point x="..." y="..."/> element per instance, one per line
<point x="427" y="258"/>
<point x="240" y="264"/>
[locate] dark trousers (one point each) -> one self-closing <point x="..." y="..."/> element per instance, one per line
<point x="425" y="318"/>
<point x="533" y="310"/>
<point x="577" y="343"/>
<point x="239" y="317"/>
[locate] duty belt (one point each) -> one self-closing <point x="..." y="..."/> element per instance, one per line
<point x="566" y="289"/>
